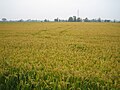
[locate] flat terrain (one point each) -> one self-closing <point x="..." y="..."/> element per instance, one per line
<point x="59" y="56"/>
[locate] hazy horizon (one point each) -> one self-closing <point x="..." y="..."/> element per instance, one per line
<point x="51" y="9"/>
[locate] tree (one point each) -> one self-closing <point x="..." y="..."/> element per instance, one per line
<point x="74" y="18"/>
<point x="114" y="21"/>
<point x="70" y="19"/>
<point x="29" y="20"/>
<point x="99" y="19"/>
<point x="106" y="20"/>
<point x="21" y="20"/>
<point x="56" y="20"/>
<point x="79" y="19"/>
<point x="86" y="20"/>
<point x="4" y="19"/>
<point x="46" y="20"/>
<point x="93" y="20"/>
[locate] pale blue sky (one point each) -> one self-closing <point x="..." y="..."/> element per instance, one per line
<point x="50" y="9"/>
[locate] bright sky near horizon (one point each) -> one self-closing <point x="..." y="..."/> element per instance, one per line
<point x="50" y="9"/>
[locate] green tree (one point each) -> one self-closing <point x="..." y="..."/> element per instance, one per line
<point x="74" y="18"/>
<point x="70" y="19"/>
<point x="86" y="20"/>
<point x="79" y="19"/>
<point x="4" y="19"/>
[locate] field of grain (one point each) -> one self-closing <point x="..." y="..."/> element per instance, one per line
<point x="59" y="56"/>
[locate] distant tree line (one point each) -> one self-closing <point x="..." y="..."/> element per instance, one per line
<point x="75" y="19"/>
<point x="70" y="19"/>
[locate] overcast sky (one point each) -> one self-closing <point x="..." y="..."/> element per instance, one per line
<point x="50" y="9"/>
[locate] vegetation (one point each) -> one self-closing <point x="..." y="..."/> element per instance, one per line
<point x="59" y="56"/>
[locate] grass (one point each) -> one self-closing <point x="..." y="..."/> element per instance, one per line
<point x="59" y="56"/>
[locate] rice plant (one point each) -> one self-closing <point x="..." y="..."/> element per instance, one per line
<point x="59" y="56"/>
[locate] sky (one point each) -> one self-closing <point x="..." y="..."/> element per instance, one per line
<point x="51" y="9"/>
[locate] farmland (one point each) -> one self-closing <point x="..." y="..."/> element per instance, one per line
<point x="59" y="56"/>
